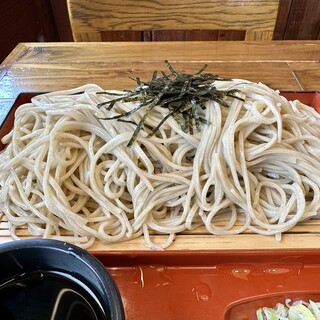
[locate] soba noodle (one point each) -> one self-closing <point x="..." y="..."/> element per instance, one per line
<point x="68" y="174"/>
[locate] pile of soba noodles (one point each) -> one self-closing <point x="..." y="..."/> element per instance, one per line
<point x="67" y="174"/>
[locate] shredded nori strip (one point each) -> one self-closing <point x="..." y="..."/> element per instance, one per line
<point x="182" y="94"/>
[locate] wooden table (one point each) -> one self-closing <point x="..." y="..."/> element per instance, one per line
<point x="283" y="65"/>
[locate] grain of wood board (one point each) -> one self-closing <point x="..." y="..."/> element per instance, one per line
<point x="53" y="66"/>
<point x="212" y="243"/>
<point x="304" y="20"/>
<point x="45" y="77"/>
<point x="92" y="18"/>
<point x="156" y="52"/>
<point x="172" y="35"/>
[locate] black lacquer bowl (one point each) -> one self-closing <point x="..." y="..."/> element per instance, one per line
<point x="49" y="279"/>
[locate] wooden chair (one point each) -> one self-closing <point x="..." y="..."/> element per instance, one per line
<point x="135" y="20"/>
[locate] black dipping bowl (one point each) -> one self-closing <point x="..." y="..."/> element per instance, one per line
<point x="54" y="280"/>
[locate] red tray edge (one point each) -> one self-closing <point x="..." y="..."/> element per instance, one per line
<point x="195" y="258"/>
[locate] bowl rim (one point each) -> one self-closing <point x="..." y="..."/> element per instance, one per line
<point x="108" y="291"/>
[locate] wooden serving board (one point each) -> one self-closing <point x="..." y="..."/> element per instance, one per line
<point x="305" y="235"/>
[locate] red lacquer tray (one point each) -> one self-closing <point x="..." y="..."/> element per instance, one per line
<point x="211" y="285"/>
<point x="226" y="285"/>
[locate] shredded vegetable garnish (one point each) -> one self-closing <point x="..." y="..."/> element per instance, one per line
<point x="184" y="95"/>
<point x="299" y="310"/>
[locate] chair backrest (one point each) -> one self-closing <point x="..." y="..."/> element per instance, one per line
<point x="91" y="19"/>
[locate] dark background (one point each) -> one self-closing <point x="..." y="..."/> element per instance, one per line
<point x="47" y="20"/>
